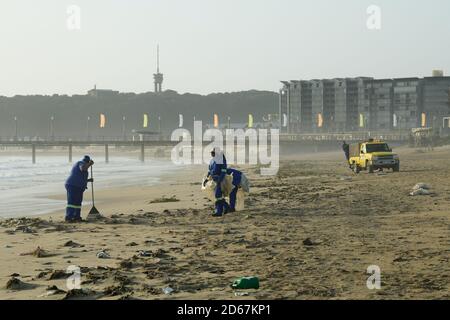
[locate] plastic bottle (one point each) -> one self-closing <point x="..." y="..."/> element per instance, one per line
<point x="246" y="283"/>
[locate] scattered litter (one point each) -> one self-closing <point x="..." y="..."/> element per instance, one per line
<point x="246" y="283"/>
<point x="38" y="252"/>
<point x="422" y="186"/>
<point x="42" y="274"/>
<point x="346" y="178"/>
<point x="144" y="253"/>
<point x="421" y="189"/>
<point x="76" y="293"/>
<point x="308" y="242"/>
<point x="103" y="255"/>
<point x="126" y="264"/>
<point x="420" y="192"/>
<point x="52" y="290"/>
<point x="17" y="284"/>
<point x="241" y="294"/>
<point x="131" y="244"/>
<point x="58" y="274"/>
<point x="73" y="244"/>
<point x="164" y="200"/>
<point x="116" y="290"/>
<point x="14" y="284"/>
<point x="168" y="290"/>
<point x="24" y="229"/>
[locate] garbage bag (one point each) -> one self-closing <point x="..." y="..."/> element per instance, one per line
<point x="210" y="187"/>
<point x="421" y="186"/>
<point x="245" y="184"/>
<point x="240" y="200"/>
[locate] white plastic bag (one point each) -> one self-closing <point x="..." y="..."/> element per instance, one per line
<point x="240" y="200"/>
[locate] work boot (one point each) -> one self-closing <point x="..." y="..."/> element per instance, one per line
<point x="216" y="215"/>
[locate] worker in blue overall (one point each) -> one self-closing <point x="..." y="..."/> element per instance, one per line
<point x="217" y="171"/>
<point x="75" y="185"/>
<point x="237" y="175"/>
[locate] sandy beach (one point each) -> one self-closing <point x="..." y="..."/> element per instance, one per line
<point x="308" y="233"/>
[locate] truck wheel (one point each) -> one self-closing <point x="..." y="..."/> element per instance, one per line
<point x="356" y="168"/>
<point x="370" y="168"/>
<point x="396" y="168"/>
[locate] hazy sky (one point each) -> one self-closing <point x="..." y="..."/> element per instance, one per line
<point x="214" y="46"/>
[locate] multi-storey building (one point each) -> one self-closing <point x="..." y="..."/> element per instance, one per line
<point x="355" y="104"/>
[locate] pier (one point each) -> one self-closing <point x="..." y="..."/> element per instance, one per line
<point x="290" y="142"/>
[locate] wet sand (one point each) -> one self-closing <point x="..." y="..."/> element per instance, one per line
<point x="351" y="222"/>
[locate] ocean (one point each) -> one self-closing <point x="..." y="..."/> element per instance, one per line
<point x="25" y="187"/>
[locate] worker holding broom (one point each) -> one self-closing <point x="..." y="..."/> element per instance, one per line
<point x="75" y="185"/>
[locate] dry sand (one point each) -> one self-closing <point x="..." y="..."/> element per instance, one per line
<point x="352" y="222"/>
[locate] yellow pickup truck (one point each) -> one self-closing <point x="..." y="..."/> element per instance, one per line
<point x="372" y="155"/>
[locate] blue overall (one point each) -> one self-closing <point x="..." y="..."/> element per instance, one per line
<point x="236" y="183"/>
<point x="217" y="172"/>
<point x="75" y="185"/>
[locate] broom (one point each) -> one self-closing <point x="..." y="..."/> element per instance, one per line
<point x="94" y="214"/>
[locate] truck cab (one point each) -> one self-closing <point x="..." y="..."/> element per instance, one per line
<point x="372" y="155"/>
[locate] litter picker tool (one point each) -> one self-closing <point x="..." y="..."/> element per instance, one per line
<point x="94" y="214"/>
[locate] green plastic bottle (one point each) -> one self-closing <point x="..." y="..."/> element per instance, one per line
<point x="246" y="283"/>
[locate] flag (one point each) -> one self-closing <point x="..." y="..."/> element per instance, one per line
<point x="285" y="120"/>
<point x="394" y="120"/>
<point x="216" y="121"/>
<point x="102" y="120"/>
<point x="424" y="119"/>
<point x="145" y="124"/>
<point x="250" y="121"/>
<point x="319" y="120"/>
<point x="180" y="120"/>
<point x="361" y="120"/>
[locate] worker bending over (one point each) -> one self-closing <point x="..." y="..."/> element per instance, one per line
<point x="75" y="185"/>
<point x="217" y="171"/>
<point x="237" y="176"/>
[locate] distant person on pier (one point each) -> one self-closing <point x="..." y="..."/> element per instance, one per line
<point x="346" y="149"/>
<point x="75" y="185"/>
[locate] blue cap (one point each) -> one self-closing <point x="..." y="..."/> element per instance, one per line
<point x="86" y="158"/>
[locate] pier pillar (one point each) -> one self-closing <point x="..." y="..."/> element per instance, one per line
<point x="70" y="153"/>
<point x="142" y="152"/>
<point x="33" y="153"/>
<point x="106" y="153"/>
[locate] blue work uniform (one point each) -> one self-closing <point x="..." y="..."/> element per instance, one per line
<point x="217" y="172"/>
<point x="237" y="175"/>
<point x="75" y="185"/>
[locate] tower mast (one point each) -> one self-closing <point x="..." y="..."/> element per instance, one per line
<point x="158" y="77"/>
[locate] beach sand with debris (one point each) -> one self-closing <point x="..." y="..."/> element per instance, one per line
<point x="311" y="232"/>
